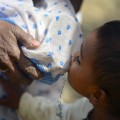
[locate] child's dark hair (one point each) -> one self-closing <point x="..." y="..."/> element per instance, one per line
<point x="106" y="64"/>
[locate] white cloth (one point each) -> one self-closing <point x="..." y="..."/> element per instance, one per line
<point x="39" y="108"/>
<point x="54" y="24"/>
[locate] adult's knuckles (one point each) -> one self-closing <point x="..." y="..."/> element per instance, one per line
<point x="15" y="53"/>
<point x="21" y="34"/>
<point x="5" y="61"/>
<point x="23" y="37"/>
<point x="26" y="40"/>
<point x="4" y="58"/>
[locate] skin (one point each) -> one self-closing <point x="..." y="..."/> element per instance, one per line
<point x="80" y="73"/>
<point x="81" y="78"/>
<point x="11" y="55"/>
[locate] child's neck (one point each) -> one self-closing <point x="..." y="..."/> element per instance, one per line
<point x="102" y="115"/>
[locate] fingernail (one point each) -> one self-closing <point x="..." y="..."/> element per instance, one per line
<point x="35" y="43"/>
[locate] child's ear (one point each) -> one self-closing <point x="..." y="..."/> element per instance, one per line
<point x="97" y="97"/>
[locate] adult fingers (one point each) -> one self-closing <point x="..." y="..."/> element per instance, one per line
<point x="17" y="76"/>
<point x="13" y="72"/>
<point x="25" y="39"/>
<point x="6" y="63"/>
<point x="16" y="55"/>
<point x="29" y="68"/>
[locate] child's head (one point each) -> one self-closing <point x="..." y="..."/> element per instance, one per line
<point x="95" y="71"/>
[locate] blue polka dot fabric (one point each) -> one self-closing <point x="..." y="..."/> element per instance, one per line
<point x="55" y="27"/>
<point x="53" y="23"/>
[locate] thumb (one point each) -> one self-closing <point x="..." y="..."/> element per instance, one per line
<point x="25" y="39"/>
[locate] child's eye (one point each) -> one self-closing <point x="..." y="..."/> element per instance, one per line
<point x="78" y="60"/>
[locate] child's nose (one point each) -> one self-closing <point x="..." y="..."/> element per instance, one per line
<point x="75" y="56"/>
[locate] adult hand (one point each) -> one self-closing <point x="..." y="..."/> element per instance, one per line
<point x="13" y="93"/>
<point x="11" y="55"/>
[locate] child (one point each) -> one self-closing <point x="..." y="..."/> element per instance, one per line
<point x="94" y="73"/>
<point x="54" y="24"/>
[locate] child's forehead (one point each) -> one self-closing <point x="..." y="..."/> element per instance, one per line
<point x="89" y="44"/>
<point x="91" y="38"/>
